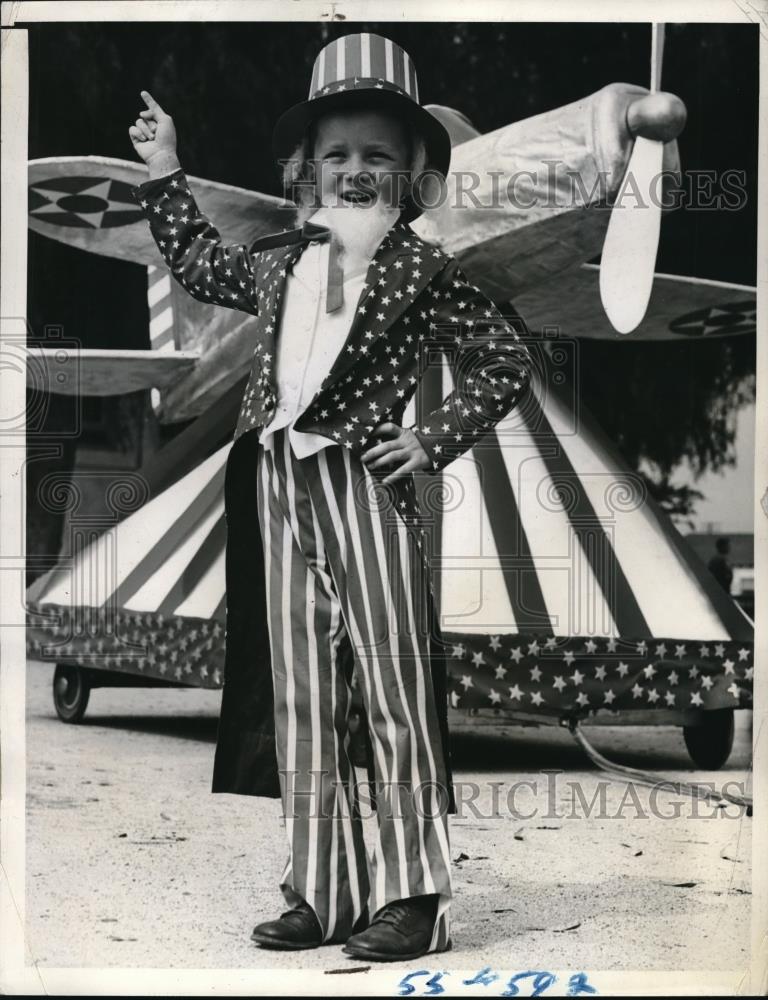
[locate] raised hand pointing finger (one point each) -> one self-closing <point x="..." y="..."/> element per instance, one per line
<point x="154" y="136"/>
<point x="151" y="103"/>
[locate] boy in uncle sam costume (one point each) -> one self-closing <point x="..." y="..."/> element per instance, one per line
<point x="345" y="308"/>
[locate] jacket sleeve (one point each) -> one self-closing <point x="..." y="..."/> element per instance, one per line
<point x="490" y="365"/>
<point x="191" y="246"/>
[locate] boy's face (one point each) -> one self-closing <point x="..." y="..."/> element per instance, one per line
<point x="358" y="156"/>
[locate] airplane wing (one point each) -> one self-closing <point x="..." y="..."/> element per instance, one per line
<point x="86" y="201"/>
<point x="197" y="352"/>
<point x="97" y="372"/>
<point x="680" y="308"/>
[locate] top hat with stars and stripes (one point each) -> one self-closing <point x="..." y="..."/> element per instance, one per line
<point x="364" y="71"/>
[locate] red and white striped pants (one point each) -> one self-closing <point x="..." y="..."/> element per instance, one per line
<point x="342" y="567"/>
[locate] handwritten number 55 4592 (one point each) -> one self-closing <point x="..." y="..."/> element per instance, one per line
<point x="577" y="983"/>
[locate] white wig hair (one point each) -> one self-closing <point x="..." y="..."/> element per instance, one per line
<point x="299" y="181"/>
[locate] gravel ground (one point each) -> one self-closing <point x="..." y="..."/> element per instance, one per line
<point x="131" y="862"/>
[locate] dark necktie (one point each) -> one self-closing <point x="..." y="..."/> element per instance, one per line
<point x="334" y="294"/>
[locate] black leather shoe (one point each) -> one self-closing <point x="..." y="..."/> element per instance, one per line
<point x="400" y="931"/>
<point x="296" y="929"/>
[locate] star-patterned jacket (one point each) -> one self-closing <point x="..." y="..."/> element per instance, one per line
<point x="416" y="303"/>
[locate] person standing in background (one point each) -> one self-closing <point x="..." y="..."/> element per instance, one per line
<point x="719" y="566"/>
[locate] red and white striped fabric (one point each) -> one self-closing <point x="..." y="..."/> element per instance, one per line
<point x="162" y="334"/>
<point x="343" y="572"/>
<point x="356" y="58"/>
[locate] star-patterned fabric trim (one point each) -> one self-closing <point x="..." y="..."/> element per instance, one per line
<point x="416" y="304"/>
<point x="358" y="83"/>
<point x="577" y="675"/>
<point x="513" y="672"/>
<point x="187" y="651"/>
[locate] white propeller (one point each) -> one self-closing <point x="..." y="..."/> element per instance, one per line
<point x="628" y="260"/>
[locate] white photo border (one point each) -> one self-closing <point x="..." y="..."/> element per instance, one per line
<point x="16" y="975"/>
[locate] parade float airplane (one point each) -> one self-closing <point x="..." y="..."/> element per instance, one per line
<point x="563" y="590"/>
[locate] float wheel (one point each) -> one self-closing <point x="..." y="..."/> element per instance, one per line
<point x="710" y="743"/>
<point x="71" y="691"/>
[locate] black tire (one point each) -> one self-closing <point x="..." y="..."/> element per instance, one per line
<point x="71" y="691"/>
<point x="710" y="744"/>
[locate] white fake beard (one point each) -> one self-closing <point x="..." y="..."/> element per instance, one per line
<point x="359" y="229"/>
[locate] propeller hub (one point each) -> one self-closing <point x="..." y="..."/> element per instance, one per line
<point x="659" y="116"/>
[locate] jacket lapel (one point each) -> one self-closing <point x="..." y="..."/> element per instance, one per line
<point x="271" y="278"/>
